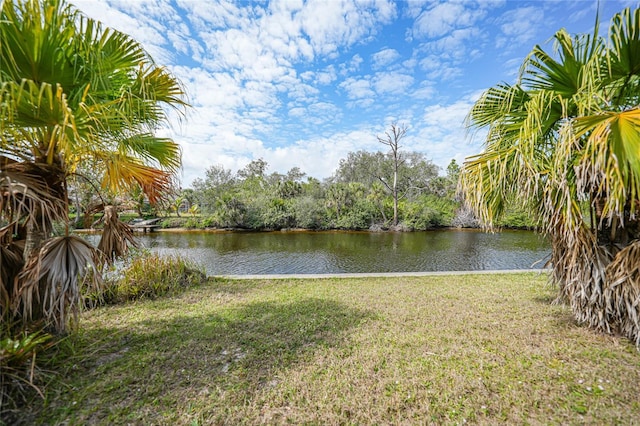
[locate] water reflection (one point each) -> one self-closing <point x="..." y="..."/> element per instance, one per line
<point x="335" y="252"/>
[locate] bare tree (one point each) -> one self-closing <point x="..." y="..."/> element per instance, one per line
<point x="392" y="139"/>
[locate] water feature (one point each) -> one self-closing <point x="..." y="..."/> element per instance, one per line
<point x="242" y="253"/>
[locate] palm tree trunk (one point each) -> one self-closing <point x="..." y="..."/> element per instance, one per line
<point x="37" y="232"/>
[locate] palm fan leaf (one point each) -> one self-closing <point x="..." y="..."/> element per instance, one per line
<point x="612" y="142"/>
<point x="122" y="171"/>
<point x="164" y="152"/>
<point x="624" y="56"/>
<point x="51" y="281"/>
<point x="116" y="235"/>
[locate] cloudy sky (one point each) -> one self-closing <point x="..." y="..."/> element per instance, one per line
<point x="303" y="83"/>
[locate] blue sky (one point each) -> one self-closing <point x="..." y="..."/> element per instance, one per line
<point x="303" y="83"/>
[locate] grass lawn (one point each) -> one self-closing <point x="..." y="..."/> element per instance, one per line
<point x="481" y="349"/>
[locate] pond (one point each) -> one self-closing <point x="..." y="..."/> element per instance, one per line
<point x="248" y="253"/>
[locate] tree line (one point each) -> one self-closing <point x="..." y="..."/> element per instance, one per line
<point x="392" y="190"/>
<point x="351" y="199"/>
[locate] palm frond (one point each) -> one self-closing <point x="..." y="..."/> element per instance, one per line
<point x="116" y="235"/>
<point x="50" y="283"/>
<point x="622" y="292"/>
<point x="35" y="38"/>
<point x="122" y="172"/>
<point x="26" y="188"/>
<point x="162" y="151"/>
<point x="10" y="265"/>
<point x="610" y="161"/>
<point x="625" y="40"/>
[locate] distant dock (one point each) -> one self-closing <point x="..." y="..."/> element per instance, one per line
<point x="145" y="226"/>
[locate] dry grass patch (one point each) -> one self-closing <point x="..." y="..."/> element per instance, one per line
<point x="481" y="349"/>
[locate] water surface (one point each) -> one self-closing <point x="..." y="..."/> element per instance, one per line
<point x="244" y="253"/>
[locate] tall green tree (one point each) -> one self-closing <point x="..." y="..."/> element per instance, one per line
<point x="565" y="141"/>
<point x="208" y="191"/>
<point x="398" y="174"/>
<point x="71" y="91"/>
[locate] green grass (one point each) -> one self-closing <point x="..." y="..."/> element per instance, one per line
<point x="446" y="350"/>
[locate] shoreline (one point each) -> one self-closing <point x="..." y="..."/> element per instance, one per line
<point x="540" y="271"/>
<point x="302" y="230"/>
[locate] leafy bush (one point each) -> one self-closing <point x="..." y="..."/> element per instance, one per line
<point x="193" y="223"/>
<point x="149" y="275"/>
<point x="428" y="211"/>
<point x="278" y="214"/>
<point x="173" y="222"/>
<point x="515" y="217"/>
<point x="18" y="365"/>
<point x="420" y="217"/>
<point x="357" y="216"/>
<point x="309" y="213"/>
<point x="209" y="222"/>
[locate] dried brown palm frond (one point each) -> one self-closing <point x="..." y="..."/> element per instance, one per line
<point x="579" y="265"/>
<point x="10" y="265"/>
<point x="116" y="235"/>
<point x="26" y="188"/>
<point x="51" y="281"/>
<point x="622" y="292"/>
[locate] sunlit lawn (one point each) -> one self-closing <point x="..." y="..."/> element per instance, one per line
<point x="482" y="349"/>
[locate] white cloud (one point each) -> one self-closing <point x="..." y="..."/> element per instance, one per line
<point x="440" y="132"/>
<point x="327" y="76"/>
<point x="342" y="23"/>
<point x="216" y="15"/>
<point x="392" y="83"/>
<point x="444" y="18"/>
<point x="457" y="44"/>
<point x="425" y="91"/>
<point x="352" y="66"/>
<point x="318" y="157"/>
<point x="357" y="88"/>
<point x="438" y="69"/>
<point x="384" y="58"/>
<point x="519" y="26"/>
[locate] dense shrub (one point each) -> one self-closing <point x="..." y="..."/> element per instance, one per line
<point x="309" y="213"/>
<point x="418" y="217"/>
<point x="173" y="222"/>
<point x="427" y="212"/>
<point x="209" y="222"/>
<point x="516" y="218"/>
<point x="193" y="223"/>
<point x="147" y="275"/>
<point x="357" y="216"/>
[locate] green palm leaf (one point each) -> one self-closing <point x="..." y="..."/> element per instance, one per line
<point x="569" y="144"/>
<point x="73" y="92"/>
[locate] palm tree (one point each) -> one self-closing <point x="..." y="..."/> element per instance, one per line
<point x="565" y="141"/>
<point x="72" y="91"/>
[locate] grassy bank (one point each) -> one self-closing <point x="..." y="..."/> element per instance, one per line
<point x="481" y="349"/>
